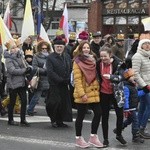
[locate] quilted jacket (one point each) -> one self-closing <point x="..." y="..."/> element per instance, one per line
<point x="141" y="66"/>
<point x="82" y="88"/>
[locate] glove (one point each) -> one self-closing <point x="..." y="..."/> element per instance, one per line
<point x="28" y="70"/>
<point x="127" y="114"/>
<point x="146" y="88"/>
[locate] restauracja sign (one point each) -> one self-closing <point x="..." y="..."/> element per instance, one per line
<point x="124" y="11"/>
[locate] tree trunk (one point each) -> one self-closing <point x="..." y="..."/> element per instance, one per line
<point x="51" y="15"/>
<point x="16" y="30"/>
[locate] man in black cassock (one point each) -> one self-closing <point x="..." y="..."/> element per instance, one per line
<point x="58" y="103"/>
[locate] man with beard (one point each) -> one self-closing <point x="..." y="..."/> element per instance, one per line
<point x="58" y="103"/>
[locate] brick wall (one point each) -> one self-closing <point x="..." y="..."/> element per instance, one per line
<point x="95" y="17"/>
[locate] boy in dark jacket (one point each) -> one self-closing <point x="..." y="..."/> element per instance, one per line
<point x="131" y="103"/>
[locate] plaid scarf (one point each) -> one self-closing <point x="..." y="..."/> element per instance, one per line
<point x="88" y="67"/>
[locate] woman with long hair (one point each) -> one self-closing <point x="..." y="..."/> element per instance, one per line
<point x="86" y="93"/>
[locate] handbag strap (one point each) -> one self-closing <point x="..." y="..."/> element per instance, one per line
<point x="37" y="72"/>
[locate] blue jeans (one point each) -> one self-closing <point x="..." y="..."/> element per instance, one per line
<point x="34" y="101"/>
<point x="132" y="118"/>
<point x="144" y="110"/>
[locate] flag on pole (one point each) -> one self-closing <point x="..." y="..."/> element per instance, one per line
<point x="7" y="17"/>
<point x="64" y="23"/>
<point x="28" y="23"/>
<point x="146" y="23"/>
<point x="5" y="36"/>
<point x="43" y="35"/>
<point x="4" y="33"/>
<point x="38" y="15"/>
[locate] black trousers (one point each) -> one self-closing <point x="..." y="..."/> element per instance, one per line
<point x="81" y="111"/>
<point x="23" y="96"/>
<point x="106" y="100"/>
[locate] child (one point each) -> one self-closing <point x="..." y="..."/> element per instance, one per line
<point x="131" y="104"/>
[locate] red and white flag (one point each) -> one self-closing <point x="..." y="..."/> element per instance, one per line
<point x="64" y="23"/>
<point x="7" y="17"/>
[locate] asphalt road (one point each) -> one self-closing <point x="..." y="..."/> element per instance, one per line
<point x="41" y="136"/>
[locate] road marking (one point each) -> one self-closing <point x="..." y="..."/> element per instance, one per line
<point x="45" y="142"/>
<point x="37" y="141"/>
<point x="34" y="119"/>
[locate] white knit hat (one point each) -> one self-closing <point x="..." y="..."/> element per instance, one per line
<point x="141" y="42"/>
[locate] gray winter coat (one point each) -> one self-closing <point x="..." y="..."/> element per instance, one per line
<point x="141" y="66"/>
<point x="15" y="69"/>
<point x="39" y="61"/>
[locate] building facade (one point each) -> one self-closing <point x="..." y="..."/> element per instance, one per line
<point x="118" y="16"/>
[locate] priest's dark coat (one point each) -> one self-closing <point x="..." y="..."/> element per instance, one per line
<point x="58" y="103"/>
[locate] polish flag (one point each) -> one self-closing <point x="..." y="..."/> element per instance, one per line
<point x="63" y="24"/>
<point x="7" y="17"/>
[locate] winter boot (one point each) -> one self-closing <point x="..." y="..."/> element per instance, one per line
<point x="106" y="143"/>
<point x="121" y="139"/>
<point x="80" y="142"/>
<point x="137" y="138"/>
<point x="144" y="134"/>
<point x="94" y="140"/>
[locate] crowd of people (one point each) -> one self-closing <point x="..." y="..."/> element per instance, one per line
<point x="86" y="73"/>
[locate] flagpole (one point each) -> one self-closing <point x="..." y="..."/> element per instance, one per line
<point x="3" y="7"/>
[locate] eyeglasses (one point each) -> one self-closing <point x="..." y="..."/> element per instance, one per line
<point x="44" y="48"/>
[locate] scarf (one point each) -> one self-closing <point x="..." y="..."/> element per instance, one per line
<point x="144" y="52"/>
<point x="88" y="68"/>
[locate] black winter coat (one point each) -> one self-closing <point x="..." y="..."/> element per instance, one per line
<point x="58" y="68"/>
<point x="96" y="47"/>
<point x="58" y="103"/>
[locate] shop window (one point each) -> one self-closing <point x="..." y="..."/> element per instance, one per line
<point x="133" y="20"/>
<point x="109" y="20"/>
<point x="121" y="20"/>
<point x="55" y="25"/>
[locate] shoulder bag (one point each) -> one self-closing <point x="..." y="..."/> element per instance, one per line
<point x="35" y="80"/>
